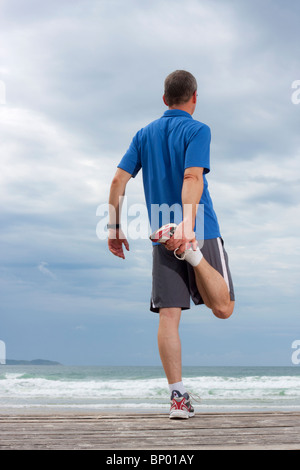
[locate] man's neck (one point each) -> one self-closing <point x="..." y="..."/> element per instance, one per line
<point x="187" y="109"/>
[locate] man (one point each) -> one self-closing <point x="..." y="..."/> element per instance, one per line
<point x="189" y="259"/>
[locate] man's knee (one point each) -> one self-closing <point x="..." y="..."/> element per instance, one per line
<point x="171" y="312"/>
<point x="170" y="316"/>
<point x="224" y="312"/>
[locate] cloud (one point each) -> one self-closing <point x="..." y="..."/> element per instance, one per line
<point x="80" y="79"/>
<point x="42" y="267"/>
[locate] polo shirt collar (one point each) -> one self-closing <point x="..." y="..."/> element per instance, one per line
<point x="176" y="112"/>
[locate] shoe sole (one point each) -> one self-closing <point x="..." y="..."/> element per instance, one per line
<point x="180" y="414"/>
<point x="168" y="229"/>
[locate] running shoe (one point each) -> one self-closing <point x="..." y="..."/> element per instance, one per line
<point x="163" y="234"/>
<point x="181" y="407"/>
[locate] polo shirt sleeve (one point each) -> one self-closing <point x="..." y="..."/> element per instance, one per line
<point x="198" y="149"/>
<point x="131" y="162"/>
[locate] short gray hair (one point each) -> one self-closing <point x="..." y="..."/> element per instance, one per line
<point x="179" y="87"/>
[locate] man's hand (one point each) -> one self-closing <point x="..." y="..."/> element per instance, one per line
<point x="116" y="238"/>
<point x="191" y="193"/>
<point x="182" y="236"/>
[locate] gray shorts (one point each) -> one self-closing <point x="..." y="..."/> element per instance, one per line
<point x="173" y="281"/>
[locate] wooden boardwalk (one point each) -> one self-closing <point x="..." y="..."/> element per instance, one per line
<point x="134" y="431"/>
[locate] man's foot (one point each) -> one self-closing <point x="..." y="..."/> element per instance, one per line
<point x="163" y="234"/>
<point x="181" y="406"/>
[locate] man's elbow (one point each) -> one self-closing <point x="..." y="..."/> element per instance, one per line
<point x="193" y="174"/>
<point x="191" y="177"/>
<point x="120" y="179"/>
<point x="116" y="181"/>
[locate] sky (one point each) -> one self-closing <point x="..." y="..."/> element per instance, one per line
<point x="78" y="79"/>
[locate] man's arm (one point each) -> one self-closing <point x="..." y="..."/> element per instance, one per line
<point x="116" y="237"/>
<point x="191" y="193"/>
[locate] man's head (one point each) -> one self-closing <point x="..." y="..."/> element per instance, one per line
<point x="180" y="89"/>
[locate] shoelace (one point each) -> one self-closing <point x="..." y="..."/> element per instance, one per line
<point x="195" y="398"/>
<point x="182" y="256"/>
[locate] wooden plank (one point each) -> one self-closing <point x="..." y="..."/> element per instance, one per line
<point x="150" y="431"/>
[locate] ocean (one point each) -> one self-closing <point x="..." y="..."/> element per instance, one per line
<point x="145" y="389"/>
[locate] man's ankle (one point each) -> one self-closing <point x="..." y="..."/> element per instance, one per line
<point x="178" y="386"/>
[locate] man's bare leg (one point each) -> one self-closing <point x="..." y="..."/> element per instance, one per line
<point x="213" y="289"/>
<point x="169" y="344"/>
<point x="211" y="284"/>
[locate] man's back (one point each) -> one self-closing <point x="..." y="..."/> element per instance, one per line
<point x="164" y="150"/>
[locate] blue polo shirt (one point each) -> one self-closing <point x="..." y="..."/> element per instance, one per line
<point x="164" y="149"/>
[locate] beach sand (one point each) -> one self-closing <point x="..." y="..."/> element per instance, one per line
<point x="148" y="431"/>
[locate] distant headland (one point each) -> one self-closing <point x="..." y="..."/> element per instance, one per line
<point x="35" y="362"/>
